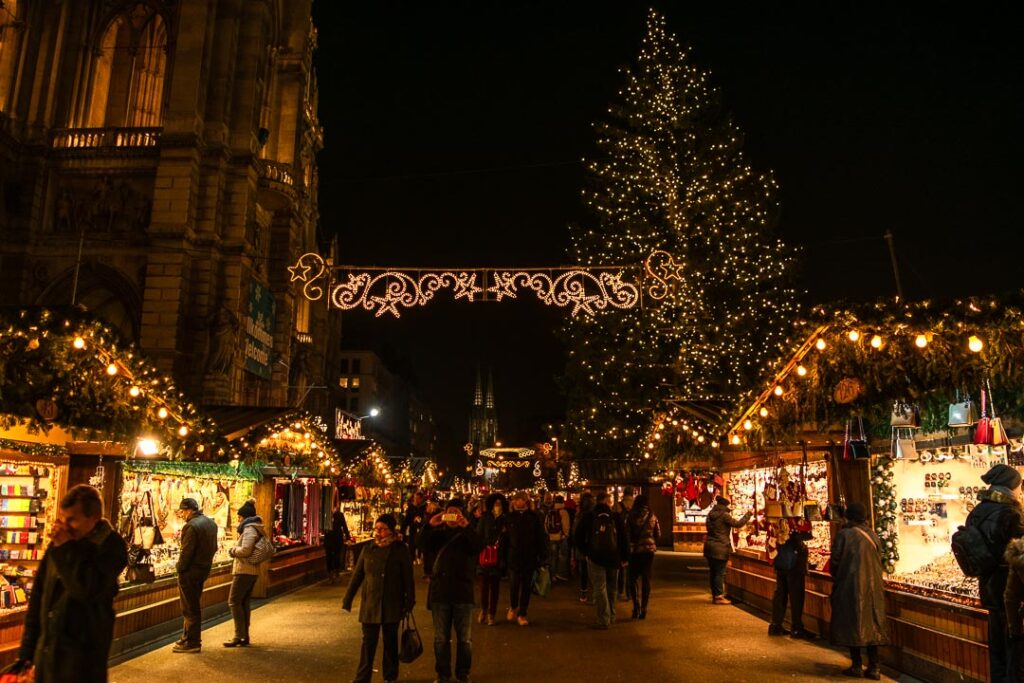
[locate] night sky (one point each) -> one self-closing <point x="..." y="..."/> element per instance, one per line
<point x="455" y="130"/>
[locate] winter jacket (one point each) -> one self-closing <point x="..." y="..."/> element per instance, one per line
<point x="250" y="531"/>
<point x="719" y="525"/>
<point x="198" y="545"/>
<point x="563" y="516"/>
<point x="70" y="621"/>
<point x="388" y="590"/>
<point x="585" y="528"/>
<point x="413" y="519"/>
<point x="858" y="594"/>
<point x="999" y="516"/>
<point x="455" y="550"/>
<point x="492" y="530"/>
<point x="644" y="531"/>
<point x="1013" y="596"/>
<point x="528" y="545"/>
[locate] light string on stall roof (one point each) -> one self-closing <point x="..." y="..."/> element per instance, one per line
<point x="667" y="423"/>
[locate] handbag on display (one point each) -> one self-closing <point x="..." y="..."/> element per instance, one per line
<point x="411" y="644"/>
<point x="999" y="437"/>
<point x="140" y="569"/>
<point x="856" y="448"/>
<point x="961" y="413"/>
<point x="905" y="415"/>
<point x="146" y="533"/>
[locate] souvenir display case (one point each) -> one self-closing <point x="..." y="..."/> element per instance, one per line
<point x="151" y="492"/>
<point x="693" y="496"/>
<point x="932" y="492"/>
<point x="28" y="492"/>
<point x="793" y="493"/>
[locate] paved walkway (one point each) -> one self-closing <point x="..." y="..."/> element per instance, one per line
<point x="305" y="636"/>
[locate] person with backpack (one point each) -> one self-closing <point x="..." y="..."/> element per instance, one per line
<point x="790" y="572"/>
<point x="858" y="594"/>
<point x="979" y="547"/>
<point x="604" y="541"/>
<point x="718" y="545"/>
<point x="644" y="532"/>
<point x="526" y="550"/>
<point x="384" y="572"/>
<point x="556" y="524"/>
<point x="244" y="570"/>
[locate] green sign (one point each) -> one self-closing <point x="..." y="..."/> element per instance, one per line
<point x="259" y="330"/>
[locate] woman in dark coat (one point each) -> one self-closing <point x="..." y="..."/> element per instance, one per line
<point x="491" y="528"/>
<point x="384" y="571"/>
<point x="526" y="550"/>
<point x="858" y="598"/>
<point x="644" y="532"/>
<point x="718" y="545"/>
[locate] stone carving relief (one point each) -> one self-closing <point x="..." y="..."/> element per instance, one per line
<point x="105" y="206"/>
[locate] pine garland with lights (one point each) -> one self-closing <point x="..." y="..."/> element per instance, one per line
<point x="242" y="471"/>
<point x="671" y="175"/>
<point x="884" y="495"/>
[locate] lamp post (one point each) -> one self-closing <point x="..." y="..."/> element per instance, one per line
<point x="555" y="440"/>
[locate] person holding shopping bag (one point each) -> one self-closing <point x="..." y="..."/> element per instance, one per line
<point x="384" y="572"/>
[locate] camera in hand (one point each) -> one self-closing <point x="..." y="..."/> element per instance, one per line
<point x="450" y="516"/>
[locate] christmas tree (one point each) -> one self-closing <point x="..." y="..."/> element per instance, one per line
<point x="670" y="175"/>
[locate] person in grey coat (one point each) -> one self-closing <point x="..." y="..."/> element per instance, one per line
<point x="384" y="571"/>
<point x="243" y="572"/>
<point x="858" y="597"/>
<point x="718" y="545"/>
<point x="198" y="546"/>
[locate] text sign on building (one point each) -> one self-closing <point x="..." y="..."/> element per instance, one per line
<point x="347" y="426"/>
<point x="259" y="331"/>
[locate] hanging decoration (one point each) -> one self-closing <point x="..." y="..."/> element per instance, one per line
<point x="241" y="471"/>
<point x="391" y="290"/>
<point x="884" y="495"/>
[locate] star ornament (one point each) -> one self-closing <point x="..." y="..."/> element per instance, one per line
<point x="299" y="272"/>
<point x="504" y="286"/>
<point x="465" y="287"/>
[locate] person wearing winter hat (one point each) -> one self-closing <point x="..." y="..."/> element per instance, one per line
<point x="718" y="545"/>
<point x="243" y="572"/>
<point x="1000" y="518"/>
<point x="858" y="594"/>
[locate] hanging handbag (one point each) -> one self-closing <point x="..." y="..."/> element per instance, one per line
<point x="856" y="449"/>
<point x="489" y="556"/>
<point x="983" y="429"/>
<point x="999" y="437"/>
<point x="146" y="533"/>
<point x="961" y="413"/>
<point x="811" y="510"/>
<point x="411" y="646"/>
<point x="140" y="569"/>
<point x="905" y="415"/>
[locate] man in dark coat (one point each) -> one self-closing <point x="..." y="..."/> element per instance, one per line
<point x="526" y="550"/>
<point x="413" y="519"/>
<point x="858" y="593"/>
<point x="384" y="571"/>
<point x="602" y="526"/>
<point x="999" y="517"/>
<point x="718" y="545"/>
<point x="70" y="621"/>
<point x="790" y="575"/>
<point x="455" y="546"/>
<point x="198" y="546"/>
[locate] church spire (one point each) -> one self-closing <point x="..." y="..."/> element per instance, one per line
<point x="478" y="396"/>
<point x="490" y="388"/>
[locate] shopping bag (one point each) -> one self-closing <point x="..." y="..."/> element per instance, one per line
<point x="17" y="672"/>
<point x="411" y="645"/>
<point x="489" y="556"/>
<point x="542" y="582"/>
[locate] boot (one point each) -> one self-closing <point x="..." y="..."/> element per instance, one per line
<point x="636" y="610"/>
<point x="777" y="630"/>
<point x="873" y="673"/>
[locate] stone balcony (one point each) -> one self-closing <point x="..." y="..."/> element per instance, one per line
<point x="105" y="138"/>
<point x="278" y="185"/>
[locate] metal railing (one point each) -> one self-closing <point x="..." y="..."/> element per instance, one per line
<point x="98" y="138"/>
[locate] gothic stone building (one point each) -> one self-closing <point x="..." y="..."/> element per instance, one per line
<point x="158" y="165"/>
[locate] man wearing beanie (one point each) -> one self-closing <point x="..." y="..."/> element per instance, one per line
<point x="999" y="517"/>
<point x="198" y="546"/>
<point x="456" y="546"/>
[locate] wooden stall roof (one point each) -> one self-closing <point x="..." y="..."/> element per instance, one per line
<point x="237" y="421"/>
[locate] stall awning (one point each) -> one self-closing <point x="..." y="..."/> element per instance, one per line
<point x="612" y="472"/>
<point x="237" y="421"/>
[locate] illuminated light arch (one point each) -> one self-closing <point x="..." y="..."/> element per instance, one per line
<point x="390" y="290"/>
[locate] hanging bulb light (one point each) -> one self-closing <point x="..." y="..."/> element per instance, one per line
<point x="763" y="412"/>
<point x="975" y="344"/>
<point x="854" y="335"/>
<point x="921" y="341"/>
<point x="801" y="370"/>
<point x="162" y="413"/>
<point x="182" y="430"/>
<point x="748" y="425"/>
<point x="876" y="342"/>
<point x="78" y="343"/>
<point x="134" y="392"/>
<point x="735" y="439"/>
<point x="820" y="344"/>
<point x="778" y="390"/>
<point x="112" y="369"/>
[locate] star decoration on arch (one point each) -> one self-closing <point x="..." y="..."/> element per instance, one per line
<point x="299" y="272"/>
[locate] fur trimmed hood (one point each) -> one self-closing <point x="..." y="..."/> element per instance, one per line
<point x="1015" y="555"/>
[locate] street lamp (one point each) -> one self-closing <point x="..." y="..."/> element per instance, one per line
<point x="374" y="412"/>
<point x="555" y="440"/>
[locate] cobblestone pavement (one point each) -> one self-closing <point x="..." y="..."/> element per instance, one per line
<point x="305" y="636"/>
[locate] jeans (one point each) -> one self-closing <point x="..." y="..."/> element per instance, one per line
<point x="717" y="576"/>
<point x="604" y="579"/>
<point x="446" y="617"/>
<point x="389" y="665"/>
<point x="190" y="595"/>
<point x="238" y="601"/>
<point x="560" y="558"/>
<point x="789" y="587"/>
<point x="489" y="586"/>
<point x="640" y="565"/>
<point x="520" y="588"/>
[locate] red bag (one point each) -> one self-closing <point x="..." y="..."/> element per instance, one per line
<point x="489" y="556"/>
<point x="983" y="430"/>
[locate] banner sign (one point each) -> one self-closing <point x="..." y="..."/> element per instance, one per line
<point x="259" y="330"/>
<point x="347" y="427"/>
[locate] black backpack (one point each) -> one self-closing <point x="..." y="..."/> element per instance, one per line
<point x="553" y="522"/>
<point x="785" y="559"/>
<point x="604" y="538"/>
<point x="972" y="551"/>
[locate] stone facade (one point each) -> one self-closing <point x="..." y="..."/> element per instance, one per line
<point x="158" y="165"/>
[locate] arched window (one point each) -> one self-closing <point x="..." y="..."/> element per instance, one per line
<point x="9" y="34"/>
<point x="128" y="72"/>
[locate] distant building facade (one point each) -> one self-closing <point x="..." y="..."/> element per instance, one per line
<point x="158" y="165"/>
